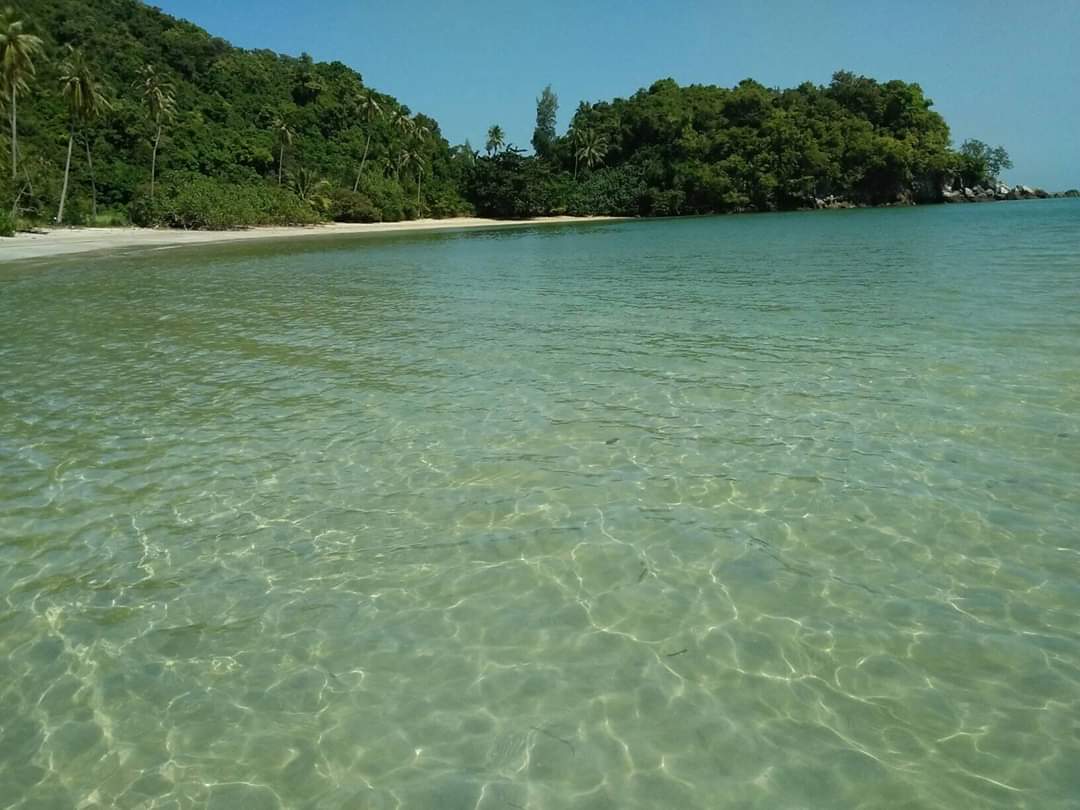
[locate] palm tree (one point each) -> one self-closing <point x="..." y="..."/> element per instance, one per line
<point x="591" y="149"/>
<point x="399" y="120"/>
<point x="417" y="159"/>
<point x="370" y="110"/>
<point x="574" y="136"/>
<point x="403" y="157"/>
<point x="309" y="187"/>
<point x="420" y="133"/>
<point x="496" y="140"/>
<point x="284" y="134"/>
<point x="160" y="98"/>
<point x="84" y="101"/>
<point x="17" y="52"/>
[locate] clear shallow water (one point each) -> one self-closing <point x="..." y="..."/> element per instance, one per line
<point x="770" y="511"/>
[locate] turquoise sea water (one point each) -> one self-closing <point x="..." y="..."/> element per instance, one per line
<point x="776" y="511"/>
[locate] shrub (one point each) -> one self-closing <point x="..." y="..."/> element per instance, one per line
<point x="613" y="192"/>
<point x="202" y="203"/>
<point x="444" y="201"/>
<point x="352" y="206"/>
<point x="7" y="224"/>
<point x="386" y="195"/>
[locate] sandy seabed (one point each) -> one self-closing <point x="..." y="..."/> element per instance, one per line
<point x="63" y="241"/>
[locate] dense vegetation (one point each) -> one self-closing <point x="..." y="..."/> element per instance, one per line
<point x="245" y="136"/>
<point x="702" y="149"/>
<point x="119" y="112"/>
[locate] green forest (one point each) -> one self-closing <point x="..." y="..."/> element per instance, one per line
<point x="117" y="113"/>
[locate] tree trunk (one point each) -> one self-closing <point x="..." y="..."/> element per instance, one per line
<point x="363" y="160"/>
<point x="153" y="162"/>
<point x="14" y="142"/>
<point x="93" y="182"/>
<point x="67" y="174"/>
<point x="419" y="205"/>
<point x="280" y="162"/>
<point x="575" y="166"/>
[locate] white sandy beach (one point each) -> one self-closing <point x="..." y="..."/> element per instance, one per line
<point x="64" y="241"/>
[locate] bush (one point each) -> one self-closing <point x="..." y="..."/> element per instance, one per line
<point x="444" y="201"/>
<point x="109" y="218"/>
<point x="7" y="224"/>
<point x="202" y="203"/>
<point x="352" y="206"/>
<point x="611" y="192"/>
<point x="386" y="195"/>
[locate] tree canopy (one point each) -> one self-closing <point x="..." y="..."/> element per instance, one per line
<point x="192" y="131"/>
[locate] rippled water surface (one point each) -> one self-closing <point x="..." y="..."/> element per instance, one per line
<point x="773" y="511"/>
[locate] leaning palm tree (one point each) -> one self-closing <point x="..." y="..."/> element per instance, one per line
<point x="496" y="139"/>
<point x="370" y="109"/>
<point x="591" y="148"/>
<point x="85" y="102"/>
<point x="160" y="98"/>
<point x="17" y="52"/>
<point x="284" y="135"/>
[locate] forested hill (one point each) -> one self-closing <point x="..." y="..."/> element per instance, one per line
<point x="235" y="114"/>
<point x="193" y="132"/>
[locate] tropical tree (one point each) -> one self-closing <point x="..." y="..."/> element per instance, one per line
<point x="574" y="135"/>
<point x="403" y="157"/>
<point x="547" y="109"/>
<point x="17" y="52"/>
<point x="160" y="98"/>
<point x="310" y="188"/>
<point x="284" y="135"/>
<point x="419" y="130"/>
<point x="416" y="157"/>
<point x="400" y="121"/>
<point x="496" y="139"/>
<point x="371" y="110"/>
<point x="85" y="102"/>
<point x="980" y="163"/>
<point x="420" y="133"/>
<point x="591" y="148"/>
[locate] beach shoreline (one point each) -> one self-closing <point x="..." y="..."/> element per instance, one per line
<point x="57" y="242"/>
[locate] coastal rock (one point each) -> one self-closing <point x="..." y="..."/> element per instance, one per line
<point x="1042" y="194"/>
<point x="1072" y="192"/>
<point x="950" y="196"/>
<point x="832" y="201"/>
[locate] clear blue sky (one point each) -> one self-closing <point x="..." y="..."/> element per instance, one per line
<point x="1004" y="71"/>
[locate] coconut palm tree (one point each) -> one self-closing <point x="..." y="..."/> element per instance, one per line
<point x="574" y="136"/>
<point x="403" y="157"/>
<point x="371" y="110"/>
<point x="85" y="102"/>
<point x="416" y="157"/>
<point x="17" y="52"/>
<point x="591" y="148"/>
<point x="310" y="188"/>
<point x="400" y="121"/>
<point x="284" y="135"/>
<point x="160" y="98"/>
<point x="420" y="133"/>
<point x="496" y="139"/>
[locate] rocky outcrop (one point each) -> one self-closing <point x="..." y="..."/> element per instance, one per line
<point x="998" y="192"/>
<point x="832" y="201"/>
<point x="1072" y="192"/>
